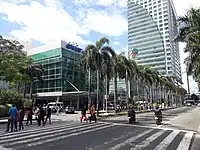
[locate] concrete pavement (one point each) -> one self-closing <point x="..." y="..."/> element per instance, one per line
<point x="96" y="136"/>
<point x="179" y="132"/>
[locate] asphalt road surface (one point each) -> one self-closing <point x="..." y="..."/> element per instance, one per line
<point x="179" y="132"/>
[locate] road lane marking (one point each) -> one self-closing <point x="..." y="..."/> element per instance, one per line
<point x="3" y="148"/>
<point x="185" y="143"/>
<point x="146" y="142"/>
<point x="49" y="135"/>
<point x="46" y="134"/>
<point x="110" y="141"/>
<point x="28" y="132"/>
<point x="165" y="143"/>
<point x="119" y="146"/>
<point x="70" y="135"/>
<point x="150" y="127"/>
<point x="52" y="126"/>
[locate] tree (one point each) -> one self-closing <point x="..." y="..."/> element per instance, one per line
<point x="13" y="62"/>
<point x="127" y="69"/>
<point x="190" y="34"/>
<point x="34" y="72"/>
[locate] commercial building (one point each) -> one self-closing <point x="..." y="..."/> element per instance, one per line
<point x="151" y="30"/>
<point x="63" y="80"/>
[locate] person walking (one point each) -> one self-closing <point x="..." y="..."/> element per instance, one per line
<point x="48" y="112"/>
<point x="12" y="116"/>
<point x="92" y="114"/>
<point x="83" y="114"/>
<point x="29" y="116"/>
<point x="21" y="118"/>
<point x="41" y="116"/>
<point x="17" y="120"/>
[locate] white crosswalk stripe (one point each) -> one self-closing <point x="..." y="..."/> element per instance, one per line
<point x="148" y="138"/>
<point x="130" y="143"/>
<point x="44" y="135"/>
<point x="185" y="143"/>
<point x="165" y="143"/>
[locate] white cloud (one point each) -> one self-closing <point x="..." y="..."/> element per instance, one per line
<point x="116" y="43"/>
<point x="45" y="24"/>
<point x="107" y="3"/>
<point x="103" y="22"/>
<point x="182" y="7"/>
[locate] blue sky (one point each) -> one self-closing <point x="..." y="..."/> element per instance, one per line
<point x="45" y="21"/>
<point x="42" y="22"/>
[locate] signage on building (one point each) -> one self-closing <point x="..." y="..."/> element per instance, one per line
<point x="73" y="47"/>
<point x="134" y="52"/>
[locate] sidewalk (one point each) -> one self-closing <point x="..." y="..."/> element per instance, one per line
<point x="76" y="117"/>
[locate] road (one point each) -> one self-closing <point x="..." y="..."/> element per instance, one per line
<point x="179" y="132"/>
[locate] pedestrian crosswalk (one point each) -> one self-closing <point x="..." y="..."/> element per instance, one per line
<point x="143" y="139"/>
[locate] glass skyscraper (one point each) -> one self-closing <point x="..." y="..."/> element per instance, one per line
<point x="151" y="29"/>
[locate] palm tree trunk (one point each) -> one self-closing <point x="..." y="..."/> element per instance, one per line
<point x="127" y="90"/>
<point x="115" y="89"/>
<point x="97" y="91"/>
<point x="25" y="91"/>
<point x="31" y="90"/>
<point x="89" y="88"/>
<point x="106" y="92"/>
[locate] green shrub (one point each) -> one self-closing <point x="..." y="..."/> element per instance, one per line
<point x="27" y="103"/>
<point x="4" y="110"/>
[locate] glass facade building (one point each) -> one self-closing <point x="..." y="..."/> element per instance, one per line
<point x="151" y="30"/>
<point x="61" y="70"/>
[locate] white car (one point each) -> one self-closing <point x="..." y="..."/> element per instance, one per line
<point x="188" y="104"/>
<point x="198" y="104"/>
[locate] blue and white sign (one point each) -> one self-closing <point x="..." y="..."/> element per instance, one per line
<point x="73" y="47"/>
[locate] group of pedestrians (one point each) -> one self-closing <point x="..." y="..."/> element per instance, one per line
<point x="17" y="117"/>
<point x="91" y="112"/>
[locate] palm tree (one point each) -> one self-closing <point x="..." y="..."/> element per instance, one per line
<point x="128" y="71"/>
<point x="88" y="63"/>
<point x="190" y="34"/>
<point x="34" y="71"/>
<point x="114" y="58"/>
<point x="94" y="55"/>
<point x="106" y="74"/>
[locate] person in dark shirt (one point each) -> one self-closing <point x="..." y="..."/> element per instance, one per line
<point x="41" y="116"/>
<point x="21" y="118"/>
<point x="131" y="114"/>
<point x="83" y="114"/>
<point x="29" y="116"/>
<point x="158" y="113"/>
<point x="48" y="115"/>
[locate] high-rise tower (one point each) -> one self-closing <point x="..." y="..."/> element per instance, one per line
<point x="151" y="30"/>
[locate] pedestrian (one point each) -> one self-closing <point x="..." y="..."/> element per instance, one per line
<point x="12" y="116"/>
<point x="17" y="120"/>
<point x="41" y="116"/>
<point x="29" y="116"/>
<point x="83" y="114"/>
<point x="58" y="110"/>
<point x="48" y="112"/>
<point x="21" y="118"/>
<point x="92" y="114"/>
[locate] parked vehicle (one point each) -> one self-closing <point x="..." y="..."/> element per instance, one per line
<point x="70" y="109"/>
<point x="188" y="104"/>
<point x="55" y="105"/>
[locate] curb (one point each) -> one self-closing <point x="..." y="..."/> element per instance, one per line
<point x="125" y="113"/>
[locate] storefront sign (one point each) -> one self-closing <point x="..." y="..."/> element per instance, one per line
<point x="73" y="47"/>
